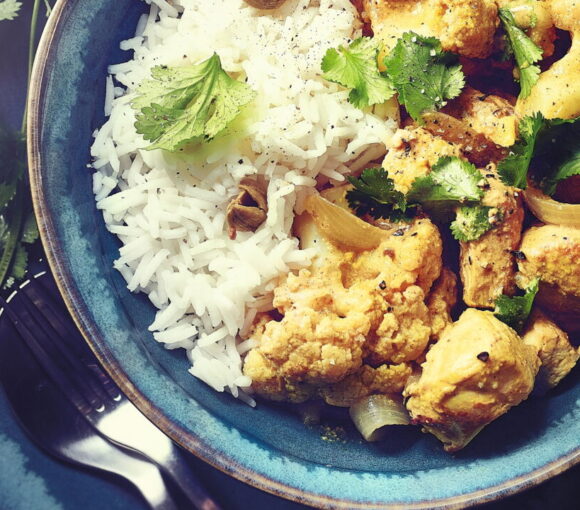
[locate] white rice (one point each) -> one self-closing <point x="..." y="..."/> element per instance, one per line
<point x="169" y="211"/>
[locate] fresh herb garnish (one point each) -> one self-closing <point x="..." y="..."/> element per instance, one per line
<point x="452" y="182"/>
<point x="17" y="222"/>
<point x="472" y="222"/>
<point x="549" y="148"/>
<point x="424" y="75"/>
<point x="9" y="9"/>
<point x="356" y="67"/>
<point x="524" y="50"/>
<point x="514" y="311"/>
<point x="183" y="105"/>
<point x="374" y="193"/>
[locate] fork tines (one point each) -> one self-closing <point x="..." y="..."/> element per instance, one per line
<point x="59" y="348"/>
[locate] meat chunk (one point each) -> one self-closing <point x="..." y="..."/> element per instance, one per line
<point x="551" y="252"/>
<point x="349" y="307"/>
<point x="557" y="355"/>
<point x="490" y="115"/>
<point x="477" y="371"/>
<point x="462" y="27"/>
<point x="487" y="265"/>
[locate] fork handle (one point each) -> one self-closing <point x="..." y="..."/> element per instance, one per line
<point x="177" y="469"/>
<point x="149" y="482"/>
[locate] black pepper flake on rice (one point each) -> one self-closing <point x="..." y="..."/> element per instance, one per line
<point x="519" y="255"/>
<point x="383" y="285"/>
<point x="399" y="232"/>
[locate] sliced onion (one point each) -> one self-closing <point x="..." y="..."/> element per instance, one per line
<point x="549" y="210"/>
<point x="341" y="227"/>
<point x="373" y="413"/>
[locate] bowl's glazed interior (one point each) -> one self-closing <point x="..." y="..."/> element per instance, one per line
<point x="268" y="446"/>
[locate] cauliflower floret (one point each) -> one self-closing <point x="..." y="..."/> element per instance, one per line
<point x="411" y="154"/>
<point x="557" y="354"/>
<point x="367" y="381"/>
<point x="349" y="306"/>
<point x="462" y="27"/>
<point x="441" y="301"/>
<point x="557" y="92"/>
<point x="487" y="264"/>
<point x="477" y="371"/>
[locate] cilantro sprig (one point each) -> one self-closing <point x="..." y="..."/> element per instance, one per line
<point x="524" y="50"/>
<point x="472" y="222"/>
<point x="356" y="68"/>
<point x="514" y="311"/>
<point x="424" y="75"/>
<point x="183" y="105"/>
<point x="548" y="150"/>
<point x="374" y="193"/>
<point x="452" y="185"/>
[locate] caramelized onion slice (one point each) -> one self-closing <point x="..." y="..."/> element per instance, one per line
<point x="372" y="413"/>
<point x="549" y="210"/>
<point x="341" y="227"/>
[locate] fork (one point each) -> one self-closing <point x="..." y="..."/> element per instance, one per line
<point x="56" y="426"/>
<point x="61" y="350"/>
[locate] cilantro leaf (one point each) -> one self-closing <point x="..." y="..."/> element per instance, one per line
<point x="549" y="147"/>
<point x="514" y="311"/>
<point x="9" y="9"/>
<point x="472" y="222"/>
<point x="356" y="68"/>
<point x="183" y="105"/>
<point x="525" y="51"/>
<point x="513" y="170"/>
<point x="374" y="193"/>
<point x="424" y="76"/>
<point x="451" y="182"/>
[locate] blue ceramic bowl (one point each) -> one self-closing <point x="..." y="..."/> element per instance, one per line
<point x="268" y="447"/>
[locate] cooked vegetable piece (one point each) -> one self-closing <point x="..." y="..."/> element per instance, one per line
<point x="424" y="75"/>
<point x="371" y="414"/>
<point x="356" y="67"/>
<point x="452" y="182"/>
<point x="514" y="311"/>
<point x="524" y="50"/>
<point x="183" y="105"/>
<point x="551" y="211"/>
<point x="472" y="222"/>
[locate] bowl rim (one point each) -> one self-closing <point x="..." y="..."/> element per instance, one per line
<point x="77" y="308"/>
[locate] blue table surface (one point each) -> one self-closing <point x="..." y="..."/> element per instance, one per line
<point x="30" y="479"/>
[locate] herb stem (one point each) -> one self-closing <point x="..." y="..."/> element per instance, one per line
<point x="31" y="53"/>
<point x="14" y="228"/>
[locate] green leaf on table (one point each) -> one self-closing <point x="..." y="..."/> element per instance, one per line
<point x="9" y="9"/>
